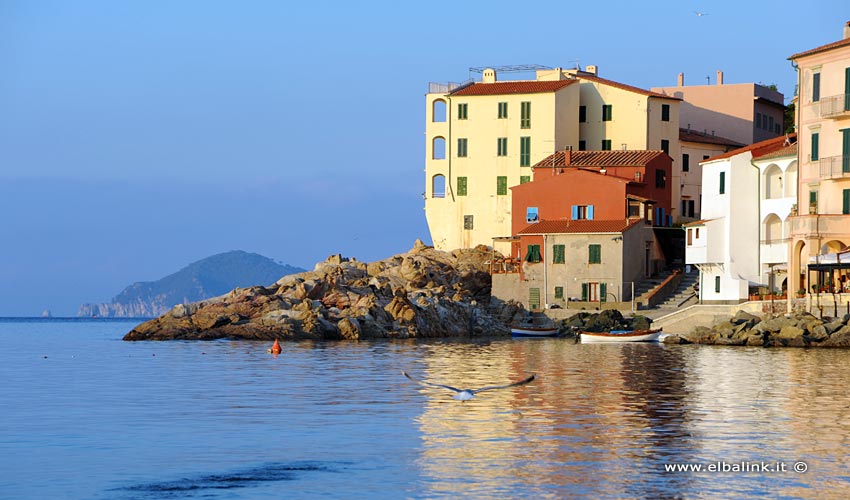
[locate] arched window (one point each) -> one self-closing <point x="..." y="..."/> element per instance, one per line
<point x="438" y="111"/>
<point x="438" y="151"/>
<point x="772" y="228"/>
<point x="438" y="186"/>
<point x="791" y="180"/>
<point x="773" y="183"/>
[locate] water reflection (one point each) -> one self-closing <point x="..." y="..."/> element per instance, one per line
<point x="604" y="420"/>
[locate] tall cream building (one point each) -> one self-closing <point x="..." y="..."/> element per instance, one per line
<point x="821" y="227"/>
<point x="483" y="137"/>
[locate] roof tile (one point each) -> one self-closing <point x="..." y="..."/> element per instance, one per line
<point x="623" y="86"/>
<point x="822" y="48"/>
<point x="758" y="149"/>
<point x="562" y="226"/>
<point x="513" y="87"/>
<point x="619" y="158"/>
<point x="688" y="135"/>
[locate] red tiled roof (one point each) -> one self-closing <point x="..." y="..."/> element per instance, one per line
<point x="623" y="86"/>
<point x="822" y="48"/>
<point x="700" y="222"/>
<point x="758" y="149"/>
<point x="779" y="153"/>
<point x="619" y="158"/>
<point x="513" y="87"/>
<point x="562" y="226"/>
<point x="695" y="136"/>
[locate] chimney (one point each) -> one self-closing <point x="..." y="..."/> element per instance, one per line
<point x="681" y="80"/>
<point x="568" y="156"/>
<point x="847" y="30"/>
<point x="489" y="76"/>
<point x="719" y="77"/>
<point x="592" y="69"/>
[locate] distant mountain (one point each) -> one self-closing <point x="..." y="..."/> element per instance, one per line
<point x="199" y="280"/>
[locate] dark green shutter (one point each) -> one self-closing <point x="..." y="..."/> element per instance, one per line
<point x="524" y="178"/>
<point x="815" y="145"/>
<point x="717" y="284"/>
<point x="845" y="150"/>
<point x="722" y="182"/>
<point x="846" y="89"/>
<point x="816" y="87"/>
<point x="461" y="186"/>
<point x="584" y="292"/>
<point x="846" y="202"/>
<point x="501" y="185"/>
<point x="525" y="151"/>
<point x="534" y="298"/>
<point x="603" y="291"/>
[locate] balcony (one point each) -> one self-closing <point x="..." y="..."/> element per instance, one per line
<point x="835" y="106"/>
<point x="834" y="167"/>
<point x="825" y="225"/>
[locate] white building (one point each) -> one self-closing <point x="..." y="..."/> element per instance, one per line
<point x="741" y="241"/>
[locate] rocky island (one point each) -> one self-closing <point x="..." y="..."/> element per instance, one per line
<point x="422" y="293"/>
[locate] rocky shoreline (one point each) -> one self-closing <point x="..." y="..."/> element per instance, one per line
<point x="423" y="293"/>
<point x="791" y="330"/>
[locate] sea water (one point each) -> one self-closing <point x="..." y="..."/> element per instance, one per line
<point x="85" y="415"/>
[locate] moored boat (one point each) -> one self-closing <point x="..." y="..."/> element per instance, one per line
<point x="536" y="325"/>
<point x="621" y="336"/>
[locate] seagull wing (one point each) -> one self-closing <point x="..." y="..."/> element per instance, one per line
<point x="512" y="384"/>
<point x="429" y="383"/>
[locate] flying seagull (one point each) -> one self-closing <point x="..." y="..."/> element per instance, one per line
<point x="467" y="394"/>
<point x="700" y="14"/>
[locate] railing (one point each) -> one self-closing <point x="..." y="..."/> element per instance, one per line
<point x="834" y="106"/>
<point x="505" y="266"/>
<point x="445" y="88"/>
<point x="822" y="224"/>
<point x="834" y="166"/>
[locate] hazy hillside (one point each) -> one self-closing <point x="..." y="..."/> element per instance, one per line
<point x="200" y="280"/>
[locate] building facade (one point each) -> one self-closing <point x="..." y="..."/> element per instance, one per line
<point x="748" y="198"/>
<point x="820" y="230"/>
<point x="697" y="146"/>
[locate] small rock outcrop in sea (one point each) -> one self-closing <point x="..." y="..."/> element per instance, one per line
<point x="422" y="293"/>
<point x="605" y="321"/>
<point x="794" y="330"/>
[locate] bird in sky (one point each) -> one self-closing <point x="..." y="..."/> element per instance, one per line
<point x="700" y="14"/>
<point x="467" y="394"/>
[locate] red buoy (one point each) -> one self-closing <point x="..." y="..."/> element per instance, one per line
<point x="275" y="348"/>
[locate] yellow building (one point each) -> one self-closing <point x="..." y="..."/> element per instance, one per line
<point x="482" y="138"/>
<point x="821" y="226"/>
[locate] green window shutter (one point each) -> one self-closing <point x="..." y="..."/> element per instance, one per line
<point x="717" y="284"/>
<point x="558" y="254"/>
<point x="816" y="87"/>
<point x="846" y="89"/>
<point x="582" y="146"/>
<point x="461" y="148"/>
<point x="461" y="186"/>
<point x="533" y="253"/>
<point x="665" y="112"/>
<point x="534" y="298"/>
<point x="525" y="151"/>
<point x="584" y="292"/>
<point x="502" y="146"/>
<point x="503" y="110"/>
<point x="845" y="151"/>
<point x="582" y="114"/>
<point x="501" y="185"/>
<point x="559" y="292"/>
<point x="525" y="118"/>
<point x="524" y="178"/>
<point x="594" y="254"/>
<point x="686" y="162"/>
<point x="606" y="144"/>
<point x="607" y="112"/>
<point x="722" y="182"/>
<point x="462" y="111"/>
<point x="845" y="202"/>
<point x="815" y="146"/>
<point x="603" y="291"/>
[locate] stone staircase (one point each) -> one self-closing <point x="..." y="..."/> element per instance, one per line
<point x="683" y="296"/>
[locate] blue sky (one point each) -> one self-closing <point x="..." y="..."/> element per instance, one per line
<point x="139" y="136"/>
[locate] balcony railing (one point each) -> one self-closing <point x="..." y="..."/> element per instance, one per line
<point x="833" y="167"/>
<point x="834" y="106"/>
<point x="826" y="225"/>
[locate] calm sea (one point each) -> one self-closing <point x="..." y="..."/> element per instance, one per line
<point x="84" y="415"/>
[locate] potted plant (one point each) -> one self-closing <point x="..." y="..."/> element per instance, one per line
<point x="801" y="293"/>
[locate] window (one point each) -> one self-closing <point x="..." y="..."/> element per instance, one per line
<point x="524" y="178"/>
<point x="502" y="146"/>
<point x="606" y="144"/>
<point x="438" y="148"/>
<point x="758" y="120"/>
<point x="582" y="146"/>
<point x="665" y="146"/>
<point x="531" y="214"/>
<point x="816" y="87"/>
<point x="525" y="112"/>
<point x="660" y="178"/>
<point x="665" y="112"/>
<point x="533" y="254"/>
<point x="686" y="162"/>
<point x="582" y="114"/>
<point x="558" y="253"/>
<point x="634" y="208"/>
<point x="438" y="186"/>
<point x="559" y="292"/>
<point x="438" y="111"/>
<point x="697" y="233"/>
<point x="845" y="203"/>
<point x="525" y="151"/>
<point x="594" y="254"/>
<point x="815" y="145"/>
<point x="580" y="212"/>
<point x="462" y="111"/>
<point x="717" y="284"/>
<point x="813" y="202"/>
<point x="722" y="182"/>
<point x="607" y="112"/>
<point x="501" y="185"/>
<point x="704" y="157"/>
<point x="461" y="186"/>
<point x="777" y="129"/>
<point x="461" y="148"/>
<point x="770" y="123"/>
<point x="690" y="211"/>
<point x="467" y="222"/>
<point x="503" y="110"/>
<point x="690" y="236"/>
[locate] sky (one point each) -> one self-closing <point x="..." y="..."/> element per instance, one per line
<point x="137" y="137"/>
